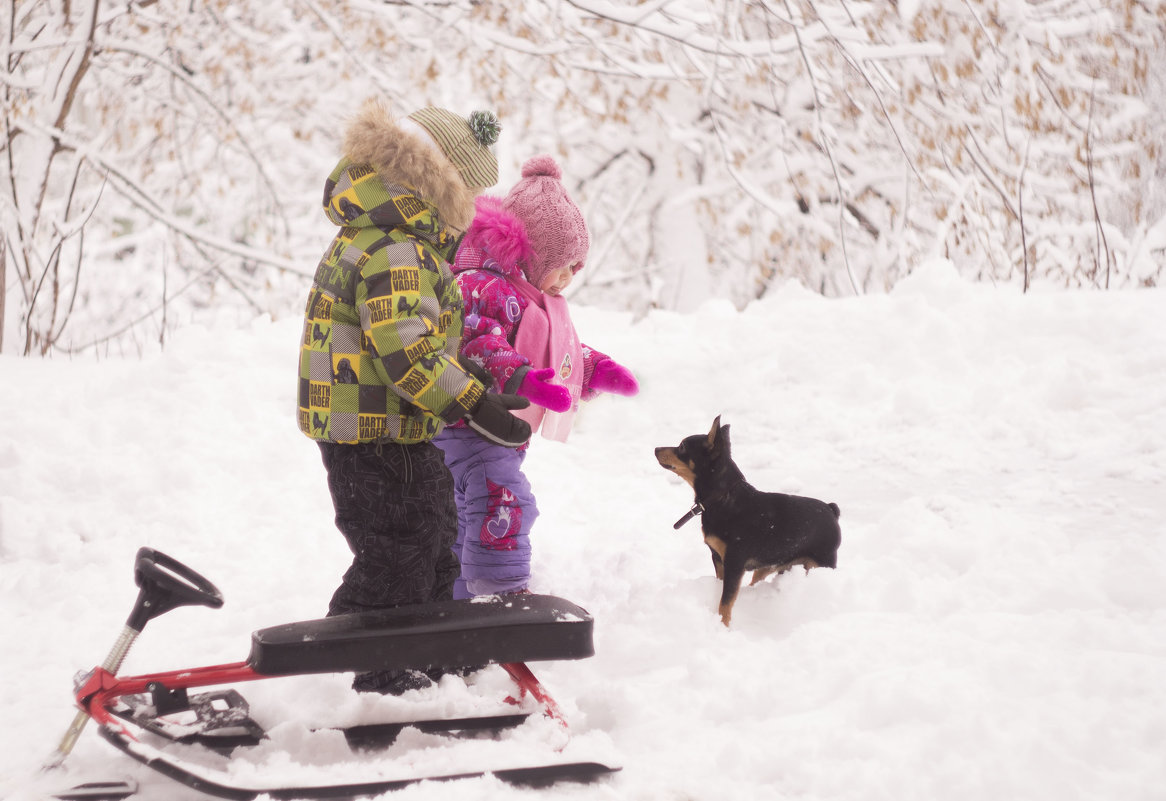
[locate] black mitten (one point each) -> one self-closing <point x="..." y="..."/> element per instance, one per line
<point x="492" y="421"/>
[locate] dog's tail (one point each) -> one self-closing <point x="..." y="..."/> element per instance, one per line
<point x="834" y="508"/>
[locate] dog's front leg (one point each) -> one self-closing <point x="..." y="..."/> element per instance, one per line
<point x="718" y="564"/>
<point x="734" y="572"/>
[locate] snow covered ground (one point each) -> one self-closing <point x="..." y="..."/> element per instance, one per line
<point x="996" y="628"/>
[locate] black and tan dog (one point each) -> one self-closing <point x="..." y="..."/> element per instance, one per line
<point x="747" y="529"/>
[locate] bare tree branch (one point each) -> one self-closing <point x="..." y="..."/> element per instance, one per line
<point x="1020" y="213"/>
<point x="1099" y="226"/>
<point x="825" y="140"/>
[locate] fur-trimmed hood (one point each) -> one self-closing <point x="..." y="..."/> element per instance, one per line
<point x="496" y="235"/>
<point x="404" y="161"/>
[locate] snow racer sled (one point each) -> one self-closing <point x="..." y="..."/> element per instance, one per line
<point x="151" y="717"/>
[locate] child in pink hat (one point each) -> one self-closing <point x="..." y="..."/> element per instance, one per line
<point x="517" y="257"/>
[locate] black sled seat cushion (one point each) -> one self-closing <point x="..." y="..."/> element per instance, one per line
<point x="513" y="628"/>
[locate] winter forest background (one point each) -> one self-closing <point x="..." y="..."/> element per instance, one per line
<point x="165" y="157"/>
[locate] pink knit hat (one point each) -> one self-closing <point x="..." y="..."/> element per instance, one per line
<point x="553" y="222"/>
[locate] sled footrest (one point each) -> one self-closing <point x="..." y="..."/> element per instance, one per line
<point x="478" y="631"/>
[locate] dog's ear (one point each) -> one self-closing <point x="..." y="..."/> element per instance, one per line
<point x="718" y="441"/>
<point x="722" y="444"/>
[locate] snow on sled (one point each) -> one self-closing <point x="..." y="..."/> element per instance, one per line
<point x="197" y="738"/>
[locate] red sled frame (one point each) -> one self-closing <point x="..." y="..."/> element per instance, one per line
<point x="503" y="630"/>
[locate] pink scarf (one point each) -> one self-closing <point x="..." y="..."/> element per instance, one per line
<point x="547" y="337"/>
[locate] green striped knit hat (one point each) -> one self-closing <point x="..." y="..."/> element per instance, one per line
<point x="464" y="141"/>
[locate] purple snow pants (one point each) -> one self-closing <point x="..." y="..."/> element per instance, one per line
<point x="495" y="511"/>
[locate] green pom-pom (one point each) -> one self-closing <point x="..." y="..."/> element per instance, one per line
<point x="485" y="126"/>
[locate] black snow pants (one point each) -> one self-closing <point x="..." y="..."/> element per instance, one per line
<point x="395" y="506"/>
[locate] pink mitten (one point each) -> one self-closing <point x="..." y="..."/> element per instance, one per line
<point x="614" y="378"/>
<point x="536" y="386"/>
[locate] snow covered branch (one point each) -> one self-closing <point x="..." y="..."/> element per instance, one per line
<point x="718" y="147"/>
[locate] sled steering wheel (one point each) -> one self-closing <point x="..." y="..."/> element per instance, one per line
<point x="167" y="584"/>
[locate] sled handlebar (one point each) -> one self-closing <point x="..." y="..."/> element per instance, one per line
<point x="167" y="584"/>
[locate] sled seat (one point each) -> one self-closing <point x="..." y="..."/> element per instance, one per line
<point x="488" y="629"/>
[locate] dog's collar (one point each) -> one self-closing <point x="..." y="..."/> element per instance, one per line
<point x="696" y="510"/>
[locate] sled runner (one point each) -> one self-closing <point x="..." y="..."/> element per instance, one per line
<point x="144" y="716"/>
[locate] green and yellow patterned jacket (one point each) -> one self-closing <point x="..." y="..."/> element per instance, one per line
<point x="378" y="357"/>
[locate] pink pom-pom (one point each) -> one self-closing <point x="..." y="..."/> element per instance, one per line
<point x="498" y="232"/>
<point x="541" y="165"/>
